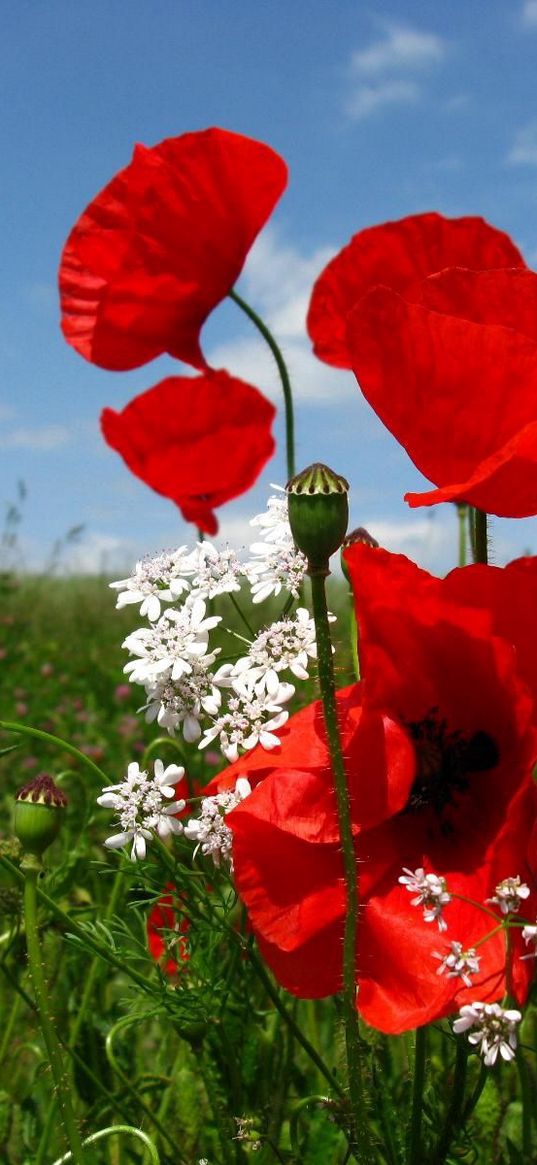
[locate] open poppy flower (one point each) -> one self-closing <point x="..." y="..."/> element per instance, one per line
<point x="439" y="745"/>
<point x="399" y="255"/>
<point x="162" y="244"/>
<point x="198" y="440"/>
<point x="452" y="373"/>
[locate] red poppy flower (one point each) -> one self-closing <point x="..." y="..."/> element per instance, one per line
<point x="165" y="917"/>
<point x="439" y="749"/>
<point x="454" y="378"/>
<point x="198" y="440"/>
<point x="162" y="244"/>
<point x="398" y="255"/>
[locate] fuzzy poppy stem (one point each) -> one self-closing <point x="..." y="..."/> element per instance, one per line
<point x="284" y="377"/>
<point x="414" y="1132"/>
<point x="480" y="537"/>
<point x="32" y="867"/>
<point x="360" y="1131"/>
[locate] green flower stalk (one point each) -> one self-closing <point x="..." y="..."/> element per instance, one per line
<point x="39" y="809"/>
<point x="318" y="516"/>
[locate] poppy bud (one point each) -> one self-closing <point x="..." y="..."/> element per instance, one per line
<point x="318" y="513"/>
<point x="38" y="814"/>
<point x="359" y="535"/>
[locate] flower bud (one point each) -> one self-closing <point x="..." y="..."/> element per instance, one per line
<point x="38" y="814"/>
<point x="359" y="535"/>
<point x="318" y="513"/>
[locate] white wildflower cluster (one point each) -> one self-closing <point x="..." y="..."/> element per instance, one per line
<point x="458" y="963"/>
<point x="510" y="894"/>
<point x="156" y="580"/>
<point x="276" y="563"/>
<point x="431" y="893"/>
<point x="494" y="1029"/>
<point x="250" y="719"/>
<point x="144" y="806"/>
<point x="209" y="830"/>
<point x="238" y="704"/>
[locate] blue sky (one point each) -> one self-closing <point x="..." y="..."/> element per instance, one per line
<point x="380" y="110"/>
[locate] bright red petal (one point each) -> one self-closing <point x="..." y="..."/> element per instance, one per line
<point x="398" y="255"/>
<point x="198" y="440"/>
<point x="509" y="594"/>
<point x="461" y="398"/>
<point x="162" y="244"/>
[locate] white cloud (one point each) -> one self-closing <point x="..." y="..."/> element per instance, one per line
<point x="98" y="553"/>
<point x="279" y="281"/>
<point x="369" y="98"/>
<point x="523" y="152"/>
<point x="379" y="74"/>
<point x="43" y="438"/>
<point x="401" y="48"/>
<point x="529" y="13"/>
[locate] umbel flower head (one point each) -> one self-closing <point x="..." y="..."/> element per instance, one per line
<point x="145" y="806"/>
<point x="162" y="244"/>
<point x="439" y="743"/>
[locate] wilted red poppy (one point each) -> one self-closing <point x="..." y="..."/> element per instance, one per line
<point x="439" y="749"/>
<point x="199" y="440"/>
<point x="398" y="255"/>
<point x="162" y="244"/>
<point x="454" y="378"/>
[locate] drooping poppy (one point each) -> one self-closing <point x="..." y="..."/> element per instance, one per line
<point x="162" y="244"/>
<point x="198" y="440"/>
<point x="399" y="255"/>
<point x="453" y="375"/>
<point x="439" y="747"/>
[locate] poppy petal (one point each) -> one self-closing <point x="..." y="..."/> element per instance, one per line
<point x="198" y="440"/>
<point x="459" y="396"/>
<point x="162" y="244"/>
<point x="398" y="255"/>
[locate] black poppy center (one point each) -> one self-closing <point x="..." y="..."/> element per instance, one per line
<point x="446" y="761"/>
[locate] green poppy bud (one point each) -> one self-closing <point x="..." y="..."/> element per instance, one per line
<point x="318" y="513"/>
<point x="38" y="814"/>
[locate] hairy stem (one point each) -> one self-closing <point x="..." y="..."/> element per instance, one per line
<point x="361" y="1136"/>
<point x="61" y="1083"/>
<point x="480" y="537"/>
<point x="414" y="1137"/>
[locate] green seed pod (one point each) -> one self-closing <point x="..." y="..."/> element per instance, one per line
<point x="318" y="513"/>
<point x="38" y="814"/>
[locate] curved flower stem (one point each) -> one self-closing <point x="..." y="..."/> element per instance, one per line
<point x="126" y="1021"/>
<point x="112" y="1132"/>
<point x="361" y="1136"/>
<point x="480" y="537"/>
<point x="32" y="869"/>
<point x="39" y="734"/>
<point x="414" y="1133"/>
<point x="284" y="377"/>
<point x="453" y="1121"/>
